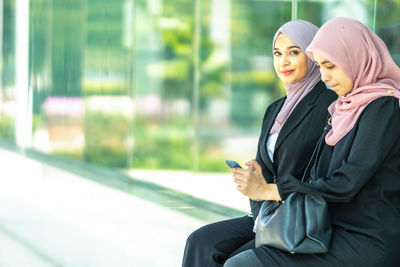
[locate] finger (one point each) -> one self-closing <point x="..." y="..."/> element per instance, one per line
<point x="239" y="189"/>
<point x="239" y="171"/>
<point x="242" y="190"/>
<point x="240" y="182"/>
<point x="254" y="164"/>
<point x="239" y="175"/>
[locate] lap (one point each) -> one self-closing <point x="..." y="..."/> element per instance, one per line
<point x="212" y="244"/>
<point x="225" y="235"/>
<point x="347" y="249"/>
<point x="246" y="258"/>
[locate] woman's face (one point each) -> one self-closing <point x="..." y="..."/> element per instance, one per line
<point x="290" y="62"/>
<point x="337" y="79"/>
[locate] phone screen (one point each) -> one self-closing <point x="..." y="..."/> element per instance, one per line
<point x="233" y="164"/>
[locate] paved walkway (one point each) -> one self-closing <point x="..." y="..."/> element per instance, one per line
<point x="51" y="217"/>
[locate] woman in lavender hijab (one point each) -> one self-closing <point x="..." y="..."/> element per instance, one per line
<point x="357" y="167"/>
<point x="290" y="130"/>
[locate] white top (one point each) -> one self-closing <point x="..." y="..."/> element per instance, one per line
<point x="271" y="142"/>
<point x="271" y="145"/>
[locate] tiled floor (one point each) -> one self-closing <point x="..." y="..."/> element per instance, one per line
<point x="51" y="217"/>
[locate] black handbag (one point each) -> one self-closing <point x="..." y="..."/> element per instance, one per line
<point x="300" y="224"/>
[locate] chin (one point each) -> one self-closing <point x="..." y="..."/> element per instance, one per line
<point x="287" y="80"/>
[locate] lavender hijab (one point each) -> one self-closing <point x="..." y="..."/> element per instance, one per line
<point x="364" y="57"/>
<point x="302" y="33"/>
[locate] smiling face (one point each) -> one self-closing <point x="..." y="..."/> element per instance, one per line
<point x="290" y="62"/>
<point x="337" y="79"/>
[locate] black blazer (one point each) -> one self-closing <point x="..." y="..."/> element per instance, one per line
<point x="360" y="179"/>
<point x="297" y="138"/>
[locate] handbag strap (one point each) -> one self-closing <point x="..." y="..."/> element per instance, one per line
<point x="315" y="153"/>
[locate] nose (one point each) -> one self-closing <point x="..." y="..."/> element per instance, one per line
<point x="284" y="60"/>
<point x="324" y="75"/>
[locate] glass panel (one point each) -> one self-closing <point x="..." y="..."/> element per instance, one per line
<point x="388" y="25"/>
<point x="80" y="80"/>
<point x="85" y="56"/>
<point x="380" y="15"/>
<point x="7" y="72"/>
<point x="237" y="79"/>
<point x="318" y="12"/>
<point x="163" y="84"/>
<point x="106" y="83"/>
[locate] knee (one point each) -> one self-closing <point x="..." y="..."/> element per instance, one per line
<point x="246" y="258"/>
<point x="233" y="262"/>
<point x="196" y="238"/>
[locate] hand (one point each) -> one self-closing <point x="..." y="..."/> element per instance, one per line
<point x="251" y="183"/>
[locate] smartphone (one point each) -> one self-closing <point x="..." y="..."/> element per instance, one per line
<point x="233" y="164"/>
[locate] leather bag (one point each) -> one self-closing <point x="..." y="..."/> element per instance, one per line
<point x="300" y="224"/>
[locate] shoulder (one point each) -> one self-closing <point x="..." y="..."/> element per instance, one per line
<point x="380" y="116"/>
<point x="324" y="95"/>
<point x="320" y="94"/>
<point x="385" y="101"/>
<point x="382" y="107"/>
<point x="276" y="104"/>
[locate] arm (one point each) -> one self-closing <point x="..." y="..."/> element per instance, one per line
<point x="378" y="129"/>
<point x="251" y="183"/>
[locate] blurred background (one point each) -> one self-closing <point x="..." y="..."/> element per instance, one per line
<point x="116" y="118"/>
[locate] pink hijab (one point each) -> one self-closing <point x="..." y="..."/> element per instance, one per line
<point x="301" y="32"/>
<point x="364" y="57"/>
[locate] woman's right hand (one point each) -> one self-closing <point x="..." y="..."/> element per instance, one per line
<point x="252" y="183"/>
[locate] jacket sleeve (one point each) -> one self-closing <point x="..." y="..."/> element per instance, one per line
<point x="377" y="131"/>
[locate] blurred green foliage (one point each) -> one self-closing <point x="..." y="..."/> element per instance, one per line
<point x="105" y="139"/>
<point x="165" y="50"/>
<point x="7" y="128"/>
<point x="7" y="63"/>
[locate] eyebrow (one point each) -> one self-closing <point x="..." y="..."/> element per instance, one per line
<point x="325" y="62"/>
<point x="289" y="47"/>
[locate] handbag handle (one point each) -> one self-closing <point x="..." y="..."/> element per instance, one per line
<point x="315" y="153"/>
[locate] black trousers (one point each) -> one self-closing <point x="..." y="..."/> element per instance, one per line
<point x="213" y="244"/>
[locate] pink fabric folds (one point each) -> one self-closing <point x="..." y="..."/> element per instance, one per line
<point x="364" y="57"/>
<point x="301" y="32"/>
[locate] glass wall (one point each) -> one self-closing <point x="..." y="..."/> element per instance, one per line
<point x="152" y="84"/>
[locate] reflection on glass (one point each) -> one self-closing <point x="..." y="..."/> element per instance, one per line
<point x="388" y="26"/>
<point x="391" y="36"/>
<point x="7" y="68"/>
<point x="161" y="84"/>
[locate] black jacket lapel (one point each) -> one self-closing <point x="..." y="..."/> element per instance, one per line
<point x="267" y="128"/>
<point x="299" y="113"/>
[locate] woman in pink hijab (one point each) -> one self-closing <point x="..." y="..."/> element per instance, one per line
<point x="357" y="169"/>
<point x="290" y="131"/>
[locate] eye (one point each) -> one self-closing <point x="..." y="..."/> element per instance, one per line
<point x="330" y="67"/>
<point x="277" y="54"/>
<point x="294" y="52"/>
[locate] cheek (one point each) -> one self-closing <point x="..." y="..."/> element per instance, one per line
<point x="302" y="67"/>
<point x="349" y="85"/>
<point x="276" y="66"/>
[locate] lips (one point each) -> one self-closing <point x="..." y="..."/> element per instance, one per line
<point x="287" y="72"/>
